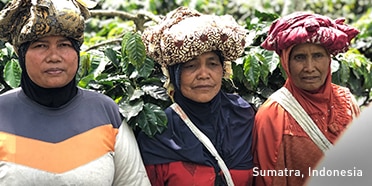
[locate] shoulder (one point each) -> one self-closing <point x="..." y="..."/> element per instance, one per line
<point x="169" y="111"/>
<point x="172" y="120"/>
<point x="10" y="93"/>
<point x="269" y="105"/>
<point x="343" y="95"/>
<point x="10" y="101"/>
<point x="9" y="96"/>
<point x="98" y="104"/>
<point x="236" y="100"/>
<point x="92" y="96"/>
<point x="341" y="90"/>
<point x="270" y="113"/>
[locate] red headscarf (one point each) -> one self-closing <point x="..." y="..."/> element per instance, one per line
<point x="302" y="27"/>
<point x="330" y="100"/>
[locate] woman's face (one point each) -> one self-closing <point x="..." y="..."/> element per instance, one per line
<point x="309" y="66"/>
<point x="201" y="77"/>
<point x="51" y="62"/>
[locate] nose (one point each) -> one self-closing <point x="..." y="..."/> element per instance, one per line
<point x="53" y="55"/>
<point x="203" y="72"/>
<point x="309" y="65"/>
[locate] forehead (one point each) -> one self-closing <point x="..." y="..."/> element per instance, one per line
<point x="51" y="38"/>
<point x="205" y="55"/>
<point x="308" y="47"/>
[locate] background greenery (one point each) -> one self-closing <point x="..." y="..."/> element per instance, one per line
<point x="114" y="62"/>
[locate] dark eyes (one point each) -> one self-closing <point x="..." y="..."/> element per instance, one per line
<point x="65" y="44"/>
<point x="215" y="63"/>
<point x="44" y="45"/>
<point x="188" y="66"/>
<point x="39" y="46"/>
<point x="300" y="57"/>
<point x="317" y="55"/>
<point x="192" y="64"/>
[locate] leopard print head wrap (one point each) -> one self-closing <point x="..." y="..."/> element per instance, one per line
<point x="22" y="21"/>
<point x="184" y="34"/>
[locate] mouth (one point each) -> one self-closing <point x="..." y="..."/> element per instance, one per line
<point x="201" y="87"/>
<point x="54" y="71"/>
<point x="310" y="78"/>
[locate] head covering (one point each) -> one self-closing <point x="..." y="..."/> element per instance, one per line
<point x="185" y="34"/>
<point x="303" y="27"/>
<point x="24" y="21"/>
<point x="27" y="20"/>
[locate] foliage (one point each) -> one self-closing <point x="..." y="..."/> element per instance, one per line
<point x="113" y="59"/>
<point x="132" y="80"/>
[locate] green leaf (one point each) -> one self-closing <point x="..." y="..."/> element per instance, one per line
<point x="96" y="60"/>
<point x="130" y="109"/>
<point x="113" y="77"/>
<point x="112" y="56"/>
<point x="8" y="51"/>
<point x="97" y="65"/>
<point x="264" y="68"/>
<point x="12" y="73"/>
<point x="266" y="15"/>
<point x="238" y="72"/>
<point x="129" y="90"/>
<point x="368" y="80"/>
<point x="152" y="80"/>
<point x="344" y="72"/>
<point x="84" y="82"/>
<point x="137" y="94"/>
<point x="124" y="43"/>
<point x="135" y="49"/>
<point x="146" y="69"/>
<point x="355" y="84"/>
<point x="152" y="119"/>
<point x="155" y="91"/>
<point x="272" y="61"/>
<point x="85" y="64"/>
<point x="252" y="70"/>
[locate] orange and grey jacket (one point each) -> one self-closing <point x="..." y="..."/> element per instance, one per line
<point x="81" y="143"/>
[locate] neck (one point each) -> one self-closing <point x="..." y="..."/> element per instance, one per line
<point x="50" y="97"/>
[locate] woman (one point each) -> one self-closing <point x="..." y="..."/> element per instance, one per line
<point x="52" y="132"/>
<point x="195" y="59"/>
<point x="302" y="120"/>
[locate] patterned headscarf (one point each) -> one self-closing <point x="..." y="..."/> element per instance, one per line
<point x="302" y="27"/>
<point x="185" y="34"/>
<point x="27" y="20"/>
